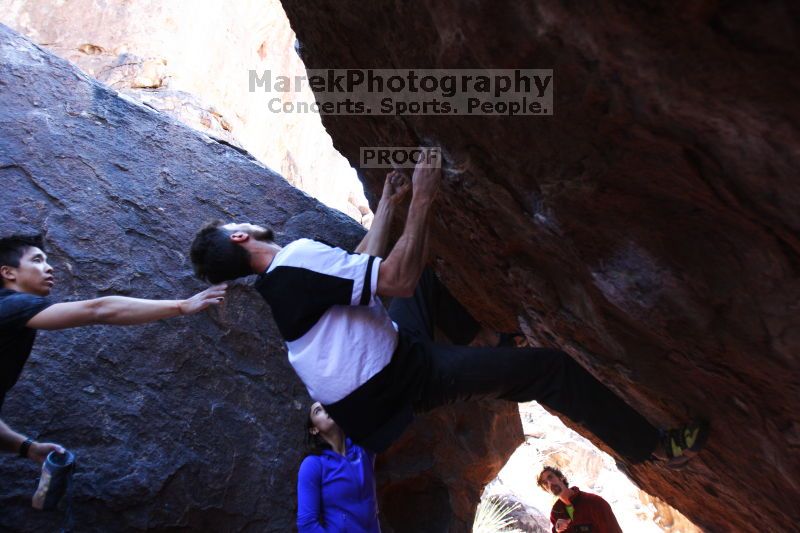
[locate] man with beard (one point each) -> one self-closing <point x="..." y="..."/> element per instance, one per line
<point x="576" y="511"/>
<point x="372" y="369"/>
<point x="27" y="279"/>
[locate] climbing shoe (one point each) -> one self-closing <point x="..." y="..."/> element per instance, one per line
<point x="688" y="438"/>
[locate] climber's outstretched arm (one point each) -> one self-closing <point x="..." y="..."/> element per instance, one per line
<point x="123" y="311"/>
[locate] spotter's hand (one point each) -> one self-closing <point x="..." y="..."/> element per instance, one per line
<point x="213" y="295"/>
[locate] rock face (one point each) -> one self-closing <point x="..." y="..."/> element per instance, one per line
<point x="193" y="423"/>
<point x="191" y="61"/>
<point x="650" y="227"/>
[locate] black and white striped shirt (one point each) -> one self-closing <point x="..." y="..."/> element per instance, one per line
<point x="325" y="304"/>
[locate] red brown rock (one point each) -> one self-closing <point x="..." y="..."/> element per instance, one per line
<point x="431" y="479"/>
<point x="650" y="227"/>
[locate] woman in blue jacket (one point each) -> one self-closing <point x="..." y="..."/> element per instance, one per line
<point x="336" y="482"/>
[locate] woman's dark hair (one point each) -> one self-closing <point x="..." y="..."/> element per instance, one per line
<point x="215" y="257"/>
<point x="315" y="444"/>
<point x="14" y="247"/>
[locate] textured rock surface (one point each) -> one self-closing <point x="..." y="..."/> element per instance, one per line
<point x="191" y="59"/>
<point x="650" y="227"/>
<point x="193" y="422"/>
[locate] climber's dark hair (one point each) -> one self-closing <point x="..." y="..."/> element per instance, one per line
<point x="12" y="248"/>
<point x="555" y="471"/>
<point x="215" y="257"/>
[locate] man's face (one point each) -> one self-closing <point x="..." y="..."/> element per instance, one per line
<point x="553" y="484"/>
<point x="257" y="232"/>
<point x="33" y="275"/>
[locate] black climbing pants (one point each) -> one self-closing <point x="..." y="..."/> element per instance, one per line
<point x="453" y="373"/>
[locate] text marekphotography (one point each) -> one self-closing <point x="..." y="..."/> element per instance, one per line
<point x="506" y="92"/>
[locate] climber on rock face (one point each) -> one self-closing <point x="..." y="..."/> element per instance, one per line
<point x="27" y="279"/>
<point x="373" y="369"/>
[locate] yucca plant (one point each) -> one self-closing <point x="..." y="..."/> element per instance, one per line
<point x="494" y="516"/>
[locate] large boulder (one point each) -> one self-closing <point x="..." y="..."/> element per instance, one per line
<point x="192" y="422"/>
<point x="649" y="227"/>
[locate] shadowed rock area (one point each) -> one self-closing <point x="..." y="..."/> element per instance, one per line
<point x="191" y="423"/>
<point x="649" y="228"/>
<point x="431" y="479"/>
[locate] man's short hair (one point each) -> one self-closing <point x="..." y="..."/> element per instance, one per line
<point x="14" y="247"/>
<point x="555" y="471"/>
<point x="215" y="257"/>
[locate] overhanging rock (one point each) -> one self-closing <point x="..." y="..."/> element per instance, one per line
<point x="650" y="227"/>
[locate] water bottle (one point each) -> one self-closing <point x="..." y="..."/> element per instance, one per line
<point x="55" y="480"/>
